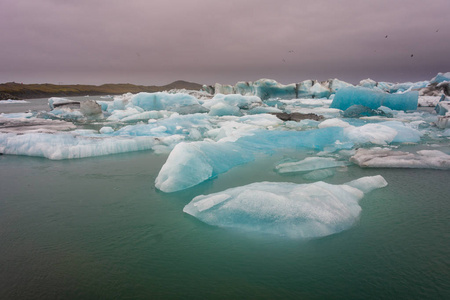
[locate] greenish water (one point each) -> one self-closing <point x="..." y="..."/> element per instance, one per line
<point x="97" y="228"/>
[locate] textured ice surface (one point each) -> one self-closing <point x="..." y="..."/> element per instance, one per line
<point x="442" y="108"/>
<point x="373" y="99"/>
<point x="387" y="158"/>
<point x="309" y="164"/>
<point x="441" y="77"/>
<point x="24" y="123"/>
<point x="236" y="100"/>
<point x="12" y="101"/>
<point x="56" y="101"/>
<point x="68" y="145"/>
<point x="287" y="209"/>
<point x="443" y="121"/>
<point x="181" y="103"/>
<point x="213" y="158"/>
<point x="267" y="88"/>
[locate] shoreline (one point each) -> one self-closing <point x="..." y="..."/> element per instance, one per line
<point x="19" y="91"/>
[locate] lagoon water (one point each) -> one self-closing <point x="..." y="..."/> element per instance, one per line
<point x="97" y="228"/>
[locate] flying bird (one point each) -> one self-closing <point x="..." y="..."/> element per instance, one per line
<point x="386" y="37"/>
<point x="284" y="60"/>
<point x="437" y="30"/>
<point x="412" y="55"/>
<point x="291" y="51"/>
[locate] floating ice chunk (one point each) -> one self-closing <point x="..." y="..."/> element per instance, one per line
<point x="442" y="108"/>
<point x="309" y="164"/>
<point x="264" y="110"/>
<point x="106" y="105"/>
<point x="68" y="145"/>
<point x="244" y="88"/>
<point x="224" y="89"/>
<point x="386" y="158"/>
<point x="181" y="103"/>
<point x="200" y="95"/>
<point x="373" y="99"/>
<point x="57" y="102"/>
<point x="406" y="133"/>
<point x="236" y="100"/>
<point x="443" y="121"/>
<point x="333" y="123"/>
<point x="91" y="109"/>
<point x="106" y="130"/>
<point x="16" y="115"/>
<point x="218" y="157"/>
<point x="12" y="101"/>
<point x="441" y="77"/>
<point x="27" y="124"/>
<point x="223" y="109"/>
<point x="267" y="88"/>
<point x="286" y="209"/>
<point x="66" y="113"/>
<point x="371" y="133"/>
<point x="428" y="101"/>
<point x="147" y="115"/>
<point x="318" y="90"/>
<point x="336" y="84"/>
<point x="368" y="83"/>
<point x="119" y="114"/>
<point x="121" y="101"/>
<point x="407" y="86"/>
<point x="176" y="172"/>
<point x="357" y="111"/>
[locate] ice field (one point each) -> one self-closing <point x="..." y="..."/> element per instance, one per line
<point x="207" y="133"/>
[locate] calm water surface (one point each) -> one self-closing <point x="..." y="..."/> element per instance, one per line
<point x="97" y="228"/>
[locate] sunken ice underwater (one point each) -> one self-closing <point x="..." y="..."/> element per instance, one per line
<point x="211" y="131"/>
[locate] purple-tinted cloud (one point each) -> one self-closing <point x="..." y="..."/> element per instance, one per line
<point x="155" y="42"/>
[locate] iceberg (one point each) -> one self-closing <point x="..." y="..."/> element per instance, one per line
<point x="442" y="108"/>
<point x="54" y="102"/>
<point x="181" y="103"/>
<point x="387" y="158"/>
<point x="286" y="209"/>
<point x="24" y="123"/>
<point x="70" y="145"/>
<point x="12" y="101"/>
<point x="236" y="100"/>
<point x="267" y="89"/>
<point x="373" y="99"/>
<point x="440" y="77"/>
<point x="215" y="158"/>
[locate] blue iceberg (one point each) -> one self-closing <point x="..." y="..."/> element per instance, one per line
<point x="372" y="98"/>
<point x="286" y="209"/>
<point x="181" y="103"/>
<point x="207" y="159"/>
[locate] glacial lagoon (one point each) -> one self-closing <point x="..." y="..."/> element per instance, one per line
<point x="97" y="227"/>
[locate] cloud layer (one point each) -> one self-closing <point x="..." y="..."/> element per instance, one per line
<point x="156" y="42"/>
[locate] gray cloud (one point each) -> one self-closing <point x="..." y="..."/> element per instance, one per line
<point x="155" y="42"/>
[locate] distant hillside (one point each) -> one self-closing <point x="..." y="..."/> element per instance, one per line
<point x="12" y="90"/>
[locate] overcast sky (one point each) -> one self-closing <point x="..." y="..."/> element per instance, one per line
<point x="207" y="41"/>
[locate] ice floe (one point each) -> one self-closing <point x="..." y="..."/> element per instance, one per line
<point x="286" y="209"/>
<point x="388" y="158"/>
